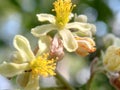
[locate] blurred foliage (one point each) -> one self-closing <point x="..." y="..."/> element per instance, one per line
<point x="100" y="82"/>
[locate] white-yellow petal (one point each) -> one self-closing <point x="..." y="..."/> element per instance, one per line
<point x="12" y="69"/>
<point x="84" y="28"/>
<point x="33" y="83"/>
<point x="69" y="41"/>
<point x="43" y="29"/>
<point x="46" y="17"/>
<point x="44" y="44"/>
<point x="111" y="59"/>
<point x="16" y="57"/>
<point x="22" y="79"/>
<point x="23" y="46"/>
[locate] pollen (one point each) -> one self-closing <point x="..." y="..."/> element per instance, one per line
<point x="42" y="66"/>
<point x="63" y="9"/>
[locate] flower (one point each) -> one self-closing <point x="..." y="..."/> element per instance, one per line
<point x="27" y="66"/>
<point x="111" y="59"/>
<point x="86" y="45"/>
<point x="63" y="9"/>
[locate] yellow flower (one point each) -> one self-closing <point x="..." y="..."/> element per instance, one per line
<point x="28" y="65"/>
<point x="63" y="9"/>
<point x="111" y="59"/>
<point x="86" y="45"/>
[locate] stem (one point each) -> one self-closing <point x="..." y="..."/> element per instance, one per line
<point x="90" y="81"/>
<point x="62" y="79"/>
<point x="92" y="71"/>
<point x="53" y="88"/>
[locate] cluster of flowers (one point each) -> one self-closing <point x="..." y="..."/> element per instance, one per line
<point x="111" y="60"/>
<point x="75" y="36"/>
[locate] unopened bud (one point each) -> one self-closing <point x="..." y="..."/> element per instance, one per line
<point x="56" y="50"/>
<point x="85" y="46"/>
<point x="111" y="59"/>
<point x="80" y="18"/>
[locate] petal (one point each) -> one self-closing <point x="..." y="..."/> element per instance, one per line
<point x="12" y="69"/>
<point x="33" y="83"/>
<point x="82" y="28"/>
<point x="23" y="79"/>
<point x="46" y="17"/>
<point x="85" y="46"/>
<point x="23" y="46"/>
<point x="43" y="29"/>
<point x="111" y="59"/>
<point x="16" y="57"/>
<point x="44" y="44"/>
<point x="82" y="52"/>
<point x="69" y="41"/>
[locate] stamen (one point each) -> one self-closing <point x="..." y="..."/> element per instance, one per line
<point x="42" y="66"/>
<point x="63" y="9"/>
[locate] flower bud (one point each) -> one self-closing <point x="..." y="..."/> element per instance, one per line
<point x="56" y="50"/>
<point x="80" y="18"/>
<point x="111" y="59"/>
<point x="108" y="40"/>
<point x="85" y="46"/>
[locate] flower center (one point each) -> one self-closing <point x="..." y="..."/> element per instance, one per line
<point x="63" y="10"/>
<point x="42" y="66"/>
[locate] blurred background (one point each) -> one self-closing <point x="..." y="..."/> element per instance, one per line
<point x="19" y="16"/>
